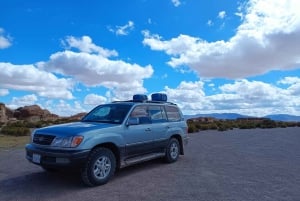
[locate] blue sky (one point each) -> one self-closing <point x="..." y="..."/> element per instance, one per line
<point x="207" y="56"/>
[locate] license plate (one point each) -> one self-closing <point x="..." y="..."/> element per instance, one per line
<point x="36" y="158"/>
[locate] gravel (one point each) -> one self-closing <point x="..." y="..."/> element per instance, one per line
<point x="235" y="165"/>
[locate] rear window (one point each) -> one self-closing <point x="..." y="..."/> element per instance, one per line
<point x="173" y="113"/>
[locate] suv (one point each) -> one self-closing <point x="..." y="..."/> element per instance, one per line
<point x="112" y="136"/>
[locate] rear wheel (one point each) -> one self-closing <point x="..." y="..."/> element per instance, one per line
<point x="172" y="151"/>
<point x="99" y="168"/>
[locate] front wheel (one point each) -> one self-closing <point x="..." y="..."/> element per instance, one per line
<point x="99" y="168"/>
<point x="172" y="151"/>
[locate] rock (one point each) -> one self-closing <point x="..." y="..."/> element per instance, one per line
<point x="34" y="113"/>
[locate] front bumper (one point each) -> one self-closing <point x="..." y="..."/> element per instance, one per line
<point x="55" y="158"/>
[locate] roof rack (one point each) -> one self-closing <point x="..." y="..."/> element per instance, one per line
<point x="160" y="98"/>
<point x="148" y="101"/>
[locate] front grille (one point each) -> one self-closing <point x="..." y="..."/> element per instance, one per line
<point x="43" y="139"/>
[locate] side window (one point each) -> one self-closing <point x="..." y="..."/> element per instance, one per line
<point x="141" y="112"/>
<point x="157" y="114"/>
<point x="173" y="113"/>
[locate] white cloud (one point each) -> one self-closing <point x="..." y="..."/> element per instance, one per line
<point x="254" y="98"/>
<point x="123" y="30"/>
<point x="176" y="3"/>
<point x="63" y="108"/>
<point x="294" y="85"/>
<point x="189" y="96"/>
<point x="29" y="78"/>
<point x="4" y="92"/>
<point x="5" y="40"/>
<point x="222" y="14"/>
<point x="23" y="101"/>
<point x="94" y="99"/>
<point x="210" y="23"/>
<point x="267" y="39"/>
<point x="254" y="92"/>
<point x="95" y="70"/>
<point x="289" y="80"/>
<point x="240" y="9"/>
<point x="85" y="44"/>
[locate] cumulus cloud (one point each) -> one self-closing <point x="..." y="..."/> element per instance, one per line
<point x="267" y="39"/>
<point x="63" y="108"/>
<point x="289" y="80"/>
<point x="23" y="101"/>
<point x="123" y="30"/>
<point x="176" y="3"/>
<point x="5" y="40"/>
<point x="210" y="23"/>
<point x="222" y="14"/>
<point x="190" y="96"/>
<point x="94" y="69"/>
<point x="94" y="99"/>
<point x="293" y="85"/>
<point x="4" y="92"/>
<point x="85" y="44"/>
<point x="246" y="97"/>
<point x="29" y="78"/>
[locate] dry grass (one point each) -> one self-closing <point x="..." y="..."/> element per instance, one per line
<point x="7" y="142"/>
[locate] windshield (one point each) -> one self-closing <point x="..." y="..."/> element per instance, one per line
<point x="110" y="113"/>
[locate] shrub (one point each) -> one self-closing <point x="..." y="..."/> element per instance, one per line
<point x="192" y="129"/>
<point x="222" y="128"/>
<point x="15" y="130"/>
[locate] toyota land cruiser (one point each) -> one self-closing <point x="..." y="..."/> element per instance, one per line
<point x="112" y="136"/>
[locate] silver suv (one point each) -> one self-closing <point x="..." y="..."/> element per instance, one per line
<point x="112" y="136"/>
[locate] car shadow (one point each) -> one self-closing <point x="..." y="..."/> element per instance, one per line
<point x="45" y="182"/>
<point x="133" y="169"/>
<point x="60" y="181"/>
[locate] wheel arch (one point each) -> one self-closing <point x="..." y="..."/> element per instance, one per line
<point x="114" y="148"/>
<point x="179" y="138"/>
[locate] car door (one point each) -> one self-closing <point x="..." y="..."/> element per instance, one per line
<point x="138" y="137"/>
<point x="159" y="127"/>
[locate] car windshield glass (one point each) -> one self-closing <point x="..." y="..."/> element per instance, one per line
<point x="109" y="113"/>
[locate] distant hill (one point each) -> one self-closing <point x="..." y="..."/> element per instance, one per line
<point x="218" y="116"/>
<point x="275" y="117"/>
<point x="283" y="117"/>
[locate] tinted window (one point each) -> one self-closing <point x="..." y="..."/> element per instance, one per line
<point x="141" y="112"/>
<point x="157" y="113"/>
<point x="173" y="113"/>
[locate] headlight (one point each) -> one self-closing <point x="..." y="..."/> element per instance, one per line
<point x="72" y="141"/>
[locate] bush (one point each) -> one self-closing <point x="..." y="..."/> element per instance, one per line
<point x="192" y="129"/>
<point x="15" y="130"/>
<point x="222" y="128"/>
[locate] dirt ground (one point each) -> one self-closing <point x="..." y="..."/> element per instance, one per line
<point x="236" y="165"/>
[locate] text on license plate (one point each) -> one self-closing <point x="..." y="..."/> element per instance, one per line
<point x="36" y="158"/>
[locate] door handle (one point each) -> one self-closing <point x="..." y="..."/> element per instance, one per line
<point x="148" y="129"/>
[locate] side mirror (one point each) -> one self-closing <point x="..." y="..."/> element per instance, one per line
<point x="133" y="121"/>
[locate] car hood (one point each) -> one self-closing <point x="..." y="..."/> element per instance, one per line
<point x="75" y="128"/>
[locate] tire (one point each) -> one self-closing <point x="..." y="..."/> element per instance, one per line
<point x="99" y="168"/>
<point x="172" y="151"/>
